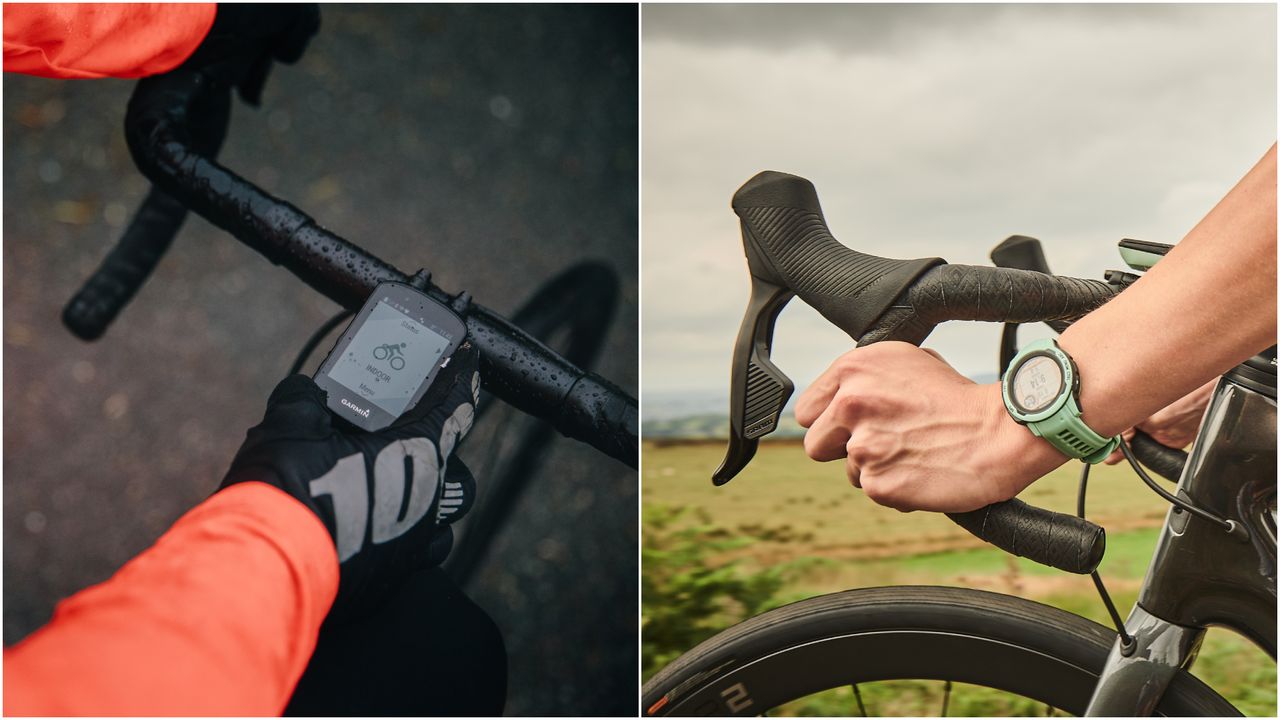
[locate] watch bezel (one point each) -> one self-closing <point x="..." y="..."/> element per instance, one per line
<point x="1052" y="351"/>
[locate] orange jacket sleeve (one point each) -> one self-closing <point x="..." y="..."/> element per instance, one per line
<point x="219" y="617"/>
<point x="86" y="40"/>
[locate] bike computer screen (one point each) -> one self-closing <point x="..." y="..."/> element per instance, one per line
<point x="387" y="357"/>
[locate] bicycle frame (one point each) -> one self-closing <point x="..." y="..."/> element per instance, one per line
<point x="1201" y="575"/>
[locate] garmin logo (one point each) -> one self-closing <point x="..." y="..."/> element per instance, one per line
<point x="353" y="406"/>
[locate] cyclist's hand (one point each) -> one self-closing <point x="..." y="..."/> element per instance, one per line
<point x="386" y="498"/>
<point x="1177" y="424"/>
<point x="917" y="435"/>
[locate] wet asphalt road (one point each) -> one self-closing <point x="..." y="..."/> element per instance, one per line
<point x="494" y="145"/>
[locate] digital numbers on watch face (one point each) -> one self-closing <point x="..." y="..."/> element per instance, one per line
<point x="1037" y="383"/>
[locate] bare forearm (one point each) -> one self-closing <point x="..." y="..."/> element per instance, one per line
<point x="1208" y="305"/>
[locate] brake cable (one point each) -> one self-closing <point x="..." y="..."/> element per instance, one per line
<point x="1232" y="527"/>
<point x="1126" y="640"/>
<point x="1179" y="505"/>
<point x="315" y="339"/>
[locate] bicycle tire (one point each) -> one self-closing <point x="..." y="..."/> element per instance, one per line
<point x="902" y="632"/>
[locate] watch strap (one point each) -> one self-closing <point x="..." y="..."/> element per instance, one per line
<point x="1067" y="432"/>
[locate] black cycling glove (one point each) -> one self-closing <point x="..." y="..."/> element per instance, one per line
<point x="387" y="498"/>
<point x="246" y="37"/>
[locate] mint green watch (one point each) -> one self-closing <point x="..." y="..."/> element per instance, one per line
<point x="1040" y="391"/>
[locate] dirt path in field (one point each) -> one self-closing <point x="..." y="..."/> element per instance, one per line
<point x="1042" y="586"/>
<point x="769" y="553"/>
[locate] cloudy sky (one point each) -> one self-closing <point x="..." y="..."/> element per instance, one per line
<point x="928" y="130"/>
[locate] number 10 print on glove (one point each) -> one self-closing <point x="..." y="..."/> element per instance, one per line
<point x="347" y="485"/>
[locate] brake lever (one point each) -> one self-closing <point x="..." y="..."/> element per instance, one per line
<point x="791" y="253"/>
<point x="759" y="390"/>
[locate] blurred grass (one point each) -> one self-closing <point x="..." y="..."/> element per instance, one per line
<point x="803" y="516"/>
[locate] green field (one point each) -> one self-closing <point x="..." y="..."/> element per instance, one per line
<point x="788" y="528"/>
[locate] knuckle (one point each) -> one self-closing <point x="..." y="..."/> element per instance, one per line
<point x="849" y="403"/>
<point x="879" y="492"/>
<point x="810" y="446"/>
<point x="821" y="446"/>
<point x="856" y="453"/>
<point x="895" y="493"/>
<point x="852" y="360"/>
<point x="880" y="446"/>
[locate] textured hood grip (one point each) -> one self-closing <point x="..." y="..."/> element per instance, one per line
<point x="787" y="243"/>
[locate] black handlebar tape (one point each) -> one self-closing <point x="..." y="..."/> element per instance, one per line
<point x="126" y="267"/>
<point x="1050" y="538"/>
<point x="514" y="366"/>
<point x="149" y="235"/>
<point x="1025" y="253"/>
<point x="975" y="292"/>
<point x="1165" y="461"/>
<point x="788" y="245"/>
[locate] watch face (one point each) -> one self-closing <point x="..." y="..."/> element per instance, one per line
<point x="1037" y="383"/>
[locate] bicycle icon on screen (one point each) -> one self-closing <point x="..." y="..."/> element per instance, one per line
<point x="391" y="352"/>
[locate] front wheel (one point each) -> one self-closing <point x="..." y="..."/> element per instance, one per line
<point x="858" y="639"/>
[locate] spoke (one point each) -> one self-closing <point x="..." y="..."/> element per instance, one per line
<point x="946" y="698"/>
<point x="862" y="709"/>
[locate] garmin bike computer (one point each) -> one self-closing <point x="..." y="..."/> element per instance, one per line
<point x="388" y="356"/>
